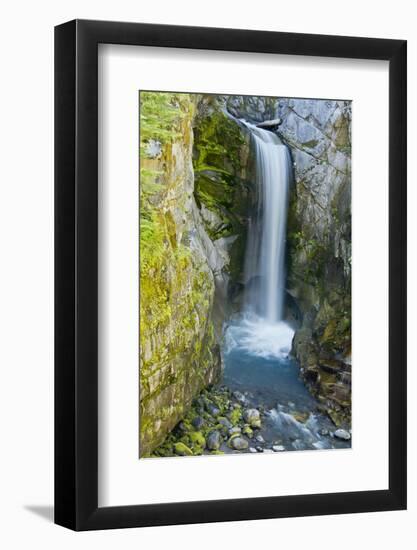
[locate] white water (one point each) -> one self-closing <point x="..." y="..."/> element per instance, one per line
<point x="257" y="336"/>
<point x="265" y="254"/>
<point x="298" y="435"/>
<point x="261" y="331"/>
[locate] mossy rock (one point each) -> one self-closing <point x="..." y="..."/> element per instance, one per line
<point x="247" y="430"/>
<point x="301" y="416"/>
<point x="232" y="437"/>
<point x="197" y="440"/>
<point x="235" y="415"/>
<point x="182" y="450"/>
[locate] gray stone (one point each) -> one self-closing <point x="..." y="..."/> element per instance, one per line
<point x="259" y="438"/>
<point x="252" y="417"/>
<point x="239" y="443"/>
<point x="342" y="434"/>
<point x="239" y="397"/>
<point x="212" y="409"/>
<point x="225" y="422"/>
<point x="213" y="440"/>
<point x="197" y="422"/>
<point x="278" y="448"/>
<point x="235" y="430"/>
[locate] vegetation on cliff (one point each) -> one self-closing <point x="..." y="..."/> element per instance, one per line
<point x="178" y="351"/>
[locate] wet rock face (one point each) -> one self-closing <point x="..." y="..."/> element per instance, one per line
<point x="255" y="109"/>
<point x="224" y="191"/>
<point x="319" y="244"/>
<point x="179" y="351"/>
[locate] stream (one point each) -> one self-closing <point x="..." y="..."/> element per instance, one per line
<point x="258" y="366"/>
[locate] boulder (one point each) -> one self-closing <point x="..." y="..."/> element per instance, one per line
<point x="252" y="417"/>
<point x="181" y="449"/>
<point x="239" y="444"/>
<point x="342" y="434"/>
<point x="213" y="440"/>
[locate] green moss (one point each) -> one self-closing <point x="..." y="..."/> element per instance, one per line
<point x="197" y="440"/>
<point x="182" y="449"/>
<point x="222" y="171"/>
<point x="236" y="416"/>
<point x="310" y="144"/>
<point x="178" y="350"/>
<point x="160" y="115"/>
<point x="247" y="430"/>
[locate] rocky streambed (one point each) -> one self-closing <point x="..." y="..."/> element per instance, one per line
<point x="252" y="412"/>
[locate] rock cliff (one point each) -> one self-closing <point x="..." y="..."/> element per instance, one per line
<point x="319" y="244"/>
<point x="179" y="354"/>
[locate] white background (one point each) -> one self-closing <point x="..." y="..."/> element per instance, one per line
<point x="123" y="479"/>
<point x="27" y="273"/>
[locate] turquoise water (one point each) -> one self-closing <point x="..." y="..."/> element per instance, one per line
<point x="258" y="365"/>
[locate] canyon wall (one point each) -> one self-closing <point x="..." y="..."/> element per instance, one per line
<point x="319" y="244"/>
<point x="179" y="353"/>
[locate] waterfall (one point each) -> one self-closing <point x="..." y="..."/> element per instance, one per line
<point x="260" y="330"/>
<point x="265" y="254"/>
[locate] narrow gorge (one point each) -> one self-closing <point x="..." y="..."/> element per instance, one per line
<point x="245" y="274"/>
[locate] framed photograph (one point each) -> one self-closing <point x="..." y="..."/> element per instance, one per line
<point x="230" y="248"/>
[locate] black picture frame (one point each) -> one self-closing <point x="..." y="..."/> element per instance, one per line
<point x="76" y="272"/>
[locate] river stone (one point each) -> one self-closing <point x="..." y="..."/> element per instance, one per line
<point x="212" y="409"/>
<point x="239" y="396"/>
<point x="252" y="450"/>
<point x="247" y="430"/>
<point x="252" y="417"/>
<point x="197" y="422"/>
<point x="260" y="439"/>
<point x="259" y="449"/>
<point x="300" y="416"/>
<point x="342" y="434"/>
<point x="182" y="449"/>
<point x="182" y="427"/>
<point x="225" y="422"/>
<point x="198" y="404"/>
<point x="239" y="444"/>
<point x="278" y="448"/>
<point x="235" y="430"/>
<point x="213" y="440"/>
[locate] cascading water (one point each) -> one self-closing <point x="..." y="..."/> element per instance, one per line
<point x="265" y="256"/>
<point x="261" y="330"/>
